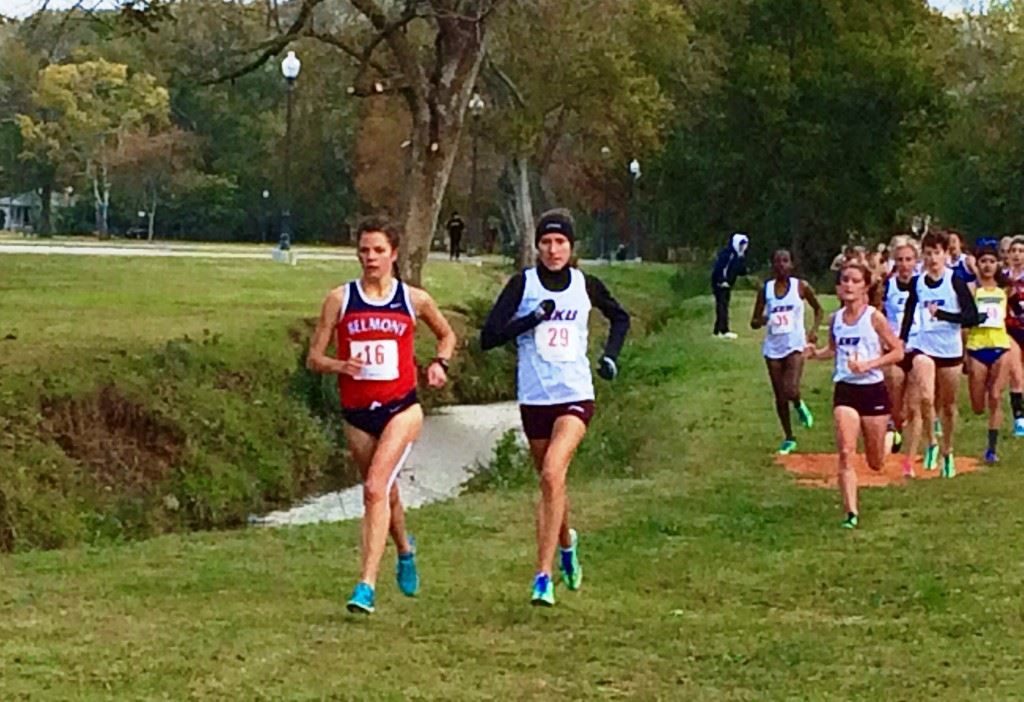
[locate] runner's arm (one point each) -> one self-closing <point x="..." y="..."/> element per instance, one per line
<point x="617" y="316"/>
<point x="909" y="310"/>
<point x="968" y="314"/>
<point x="813" y="353"/>
<point x="317" y="360"/>
<point x="428" y="311"/>
<point x="890" y="342"/>
<point x="500" y="327"/>
<point x="807" y="292"/>
<point x="757" y="316"/>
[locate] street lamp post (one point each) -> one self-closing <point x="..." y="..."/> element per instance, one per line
<point x="634" y="176"/>
<point x="290" y="68"/>
<point x="606" y="154"/>
<point x="476" y="108"/>
<point x="265" y="212"/>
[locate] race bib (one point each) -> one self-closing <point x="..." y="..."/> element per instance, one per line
<point x="379" y="357"/>
<point x="927" y="321"/>
<point x="781" y="322"/>
<point x="557" y="342"/>
<point x="993" y="312"/>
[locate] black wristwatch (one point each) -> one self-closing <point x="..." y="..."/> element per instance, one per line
<point x="443" y="362"/>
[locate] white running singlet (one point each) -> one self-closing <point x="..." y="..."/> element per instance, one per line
<point x="785" y="330"/>
<point x="935" y="337"/>
<point x="857" y="341"/>
<point x="553" y="368"/>
<point x="895" y="304"/>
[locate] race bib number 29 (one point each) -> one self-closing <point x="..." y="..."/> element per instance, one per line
<point x="557" y="342"/>
<point x="379" y="358"/>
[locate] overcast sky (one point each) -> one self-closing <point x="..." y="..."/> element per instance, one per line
<point x="21" y="8"/>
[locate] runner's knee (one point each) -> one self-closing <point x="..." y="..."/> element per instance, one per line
<point x="375" y="490"/>
<point x="552" y="481"/>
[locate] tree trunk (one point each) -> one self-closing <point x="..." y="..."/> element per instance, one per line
<point x="438" y="110"/>
<point x="152" y="218"/>
<point x="523" y="209"/>
<point x="45" y="215"/>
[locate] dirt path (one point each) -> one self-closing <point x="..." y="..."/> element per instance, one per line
<point x="819" y="470"/>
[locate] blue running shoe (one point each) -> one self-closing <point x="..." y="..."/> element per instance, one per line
<point x="543" y="594"/>
<point x="1018" y="427"/>
<point x="405" y="572"/>
<point x="361" y="601"/>
<point x="572" y="571"/>
<point x="990" y="457"/>
<point x="788" y="446"/>
<point x="931" y="457"/>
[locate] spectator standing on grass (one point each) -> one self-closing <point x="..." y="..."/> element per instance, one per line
<point x="730" y="264"/>
<point x="455" y="226"/>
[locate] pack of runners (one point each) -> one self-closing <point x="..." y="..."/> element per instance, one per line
<point x="908" y="328"/>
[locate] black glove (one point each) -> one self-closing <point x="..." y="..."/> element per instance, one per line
<point x="607" y="368"/>
<point x="544" y="309"/>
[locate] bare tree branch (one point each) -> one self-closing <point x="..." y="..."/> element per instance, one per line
<point x="274" y="46"/>
<point x="364" y="56"/>
<point x="400" y="47"/>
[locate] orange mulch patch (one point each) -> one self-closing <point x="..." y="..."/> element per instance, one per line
<point x="820" y="470"/>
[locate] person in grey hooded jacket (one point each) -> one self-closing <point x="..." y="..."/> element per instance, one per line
<point x="729" y="265"/>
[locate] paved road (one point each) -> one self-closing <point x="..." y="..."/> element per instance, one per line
<point x="191" y="251"/>
<point x="453" y="442"/>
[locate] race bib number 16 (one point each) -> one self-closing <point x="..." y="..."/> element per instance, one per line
<point x="379" y="357"/>
<point x="557" y="342"/>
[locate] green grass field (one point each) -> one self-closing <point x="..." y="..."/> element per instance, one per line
<point x="709" y="574"/>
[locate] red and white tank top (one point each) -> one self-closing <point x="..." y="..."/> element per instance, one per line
<point x="381" y="334"/>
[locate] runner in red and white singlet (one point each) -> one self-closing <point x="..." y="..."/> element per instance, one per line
<point x="372" y="321"/>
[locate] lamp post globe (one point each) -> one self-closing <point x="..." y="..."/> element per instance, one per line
<point x="290" y="67"/>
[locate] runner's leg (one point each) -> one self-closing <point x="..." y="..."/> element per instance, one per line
<point x="920" y="404"/>
<point x="873" y="428"/>
<point x="566" y="436"/>
<point x="777" y="376"/>
<point x="977" y="384"/>
<point x="391" y="449"/>
<point x="793" y="371"/>
<point x="847" y="424"/>
<point x="539" y="447"/>
<point x="947" y="382"/>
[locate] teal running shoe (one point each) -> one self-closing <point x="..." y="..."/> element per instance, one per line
<point x="948" y="466"/>
<point x="361" y="601"/>
<point x="405" y="572"/>
<point x="803" y="413"/>
<point x="788" y="446"/>
<point x="543" y="594"/>
<point x="1018" y="427"/>
<point x="850" y="522"/>
<point x="931" y="457"/>
<point x="572" y="571"/>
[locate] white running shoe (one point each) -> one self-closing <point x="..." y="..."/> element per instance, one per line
<point x="730" y="335"/>
<point x="1018" y="427"/>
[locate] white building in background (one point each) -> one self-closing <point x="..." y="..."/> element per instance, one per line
<point x="19" y="212"/>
